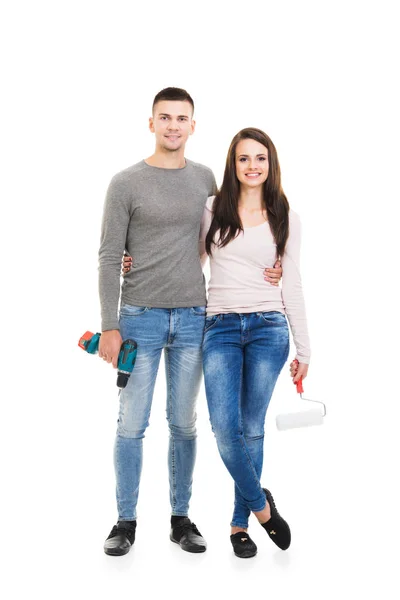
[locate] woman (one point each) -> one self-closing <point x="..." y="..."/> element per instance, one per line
<point x="245" y="227"/>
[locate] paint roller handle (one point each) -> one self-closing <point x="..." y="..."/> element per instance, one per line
<point x="299" y="383"/>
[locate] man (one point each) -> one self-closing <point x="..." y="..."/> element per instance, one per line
<point x="153" y="210"/>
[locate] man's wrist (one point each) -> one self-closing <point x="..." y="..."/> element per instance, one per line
<point x="109" y="329"/>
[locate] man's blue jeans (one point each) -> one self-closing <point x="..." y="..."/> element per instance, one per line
<point x="179" y="331"/>
<point x="243" y="355"/>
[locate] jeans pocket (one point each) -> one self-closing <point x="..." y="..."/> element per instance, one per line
<point x="199" y="311"/>
<point x="128" y="310"/>
<point x="211" y="322"/>
<point x="274" y="318"/>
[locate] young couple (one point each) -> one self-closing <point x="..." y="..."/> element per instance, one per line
<point x="168" y="215"/>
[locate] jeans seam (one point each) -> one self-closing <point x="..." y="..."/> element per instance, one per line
<point x="240" y="419"/>
<point x="172" y="441"/>
<point x="242" y="437"/>
<point x="249" y="460"/>
<point x="287" y="352"/>
<point x="118" y="472"/>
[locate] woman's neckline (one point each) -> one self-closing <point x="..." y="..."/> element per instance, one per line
<point x="255" y="226"/>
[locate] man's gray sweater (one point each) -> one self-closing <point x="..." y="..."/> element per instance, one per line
<point x="154" y="214"/>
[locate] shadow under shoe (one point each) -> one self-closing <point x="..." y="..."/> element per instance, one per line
<point x="186" y="534"/>
<point x="277" y="528"/>
<point x="243" y="545"/>
<point x="121" y="538"/>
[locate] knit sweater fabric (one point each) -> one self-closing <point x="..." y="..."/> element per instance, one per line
<point x="155" y="214"/>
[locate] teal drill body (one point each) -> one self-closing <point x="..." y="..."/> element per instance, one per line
<point x="126" y="356"/>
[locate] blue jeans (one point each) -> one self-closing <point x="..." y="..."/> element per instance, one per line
<point x="179" y="331"/>
<point x="243" y="355"/>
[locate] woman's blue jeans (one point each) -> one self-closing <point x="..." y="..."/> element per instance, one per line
<point x="243" y="355"/>
<point x="179" y="332"/>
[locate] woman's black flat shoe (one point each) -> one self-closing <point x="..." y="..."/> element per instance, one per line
<point x="243" y="545"/>
<point x="277" y="528"/>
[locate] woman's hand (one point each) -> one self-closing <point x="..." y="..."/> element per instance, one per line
<point x="298" y="370"/>
<point x="126" y="263"/>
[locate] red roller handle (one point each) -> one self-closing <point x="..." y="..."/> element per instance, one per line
<point x="299" y="383"/>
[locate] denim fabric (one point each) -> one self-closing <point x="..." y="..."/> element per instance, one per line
<point x="179" y="331"/>
<point x="243" y="355"/>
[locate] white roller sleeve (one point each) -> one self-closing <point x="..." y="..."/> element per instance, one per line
<point x="305" y="418"/>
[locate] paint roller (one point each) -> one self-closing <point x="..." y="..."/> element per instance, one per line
<point x="304" y="418"/>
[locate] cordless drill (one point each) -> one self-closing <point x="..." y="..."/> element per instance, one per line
<point x="126" y="357"/>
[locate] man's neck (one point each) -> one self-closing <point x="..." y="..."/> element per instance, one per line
<point x="166" y="159"/>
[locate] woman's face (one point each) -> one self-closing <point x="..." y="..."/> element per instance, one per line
<point x="251" y="163"/>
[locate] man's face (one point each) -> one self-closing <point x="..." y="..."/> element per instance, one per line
<point x="172" y="124"/>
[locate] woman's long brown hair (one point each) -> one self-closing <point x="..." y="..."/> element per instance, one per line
<point x="226" y="215"/>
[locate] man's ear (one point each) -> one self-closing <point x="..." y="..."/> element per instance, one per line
<point x="151" y="124"/>
<point x="193" y="126"/>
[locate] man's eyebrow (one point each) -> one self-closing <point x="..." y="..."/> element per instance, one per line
<point x="179" y="116"/>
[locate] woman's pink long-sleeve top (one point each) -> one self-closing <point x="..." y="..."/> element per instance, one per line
<point x="237" y="281"/>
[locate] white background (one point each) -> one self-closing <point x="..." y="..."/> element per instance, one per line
<point x="321" y="78"/>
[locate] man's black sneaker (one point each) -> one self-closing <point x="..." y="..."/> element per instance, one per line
<point x="121" y="538"/>
<point x="277" y="528"/>
<point x="186" y="534"/>
<point x="243" y="545"/>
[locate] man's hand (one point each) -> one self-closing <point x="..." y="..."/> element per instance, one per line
<point x="298" y="370"/>
<point x="273" y="275"/>
<point x="110" y="345"/>
<point x="126" y="263"/>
